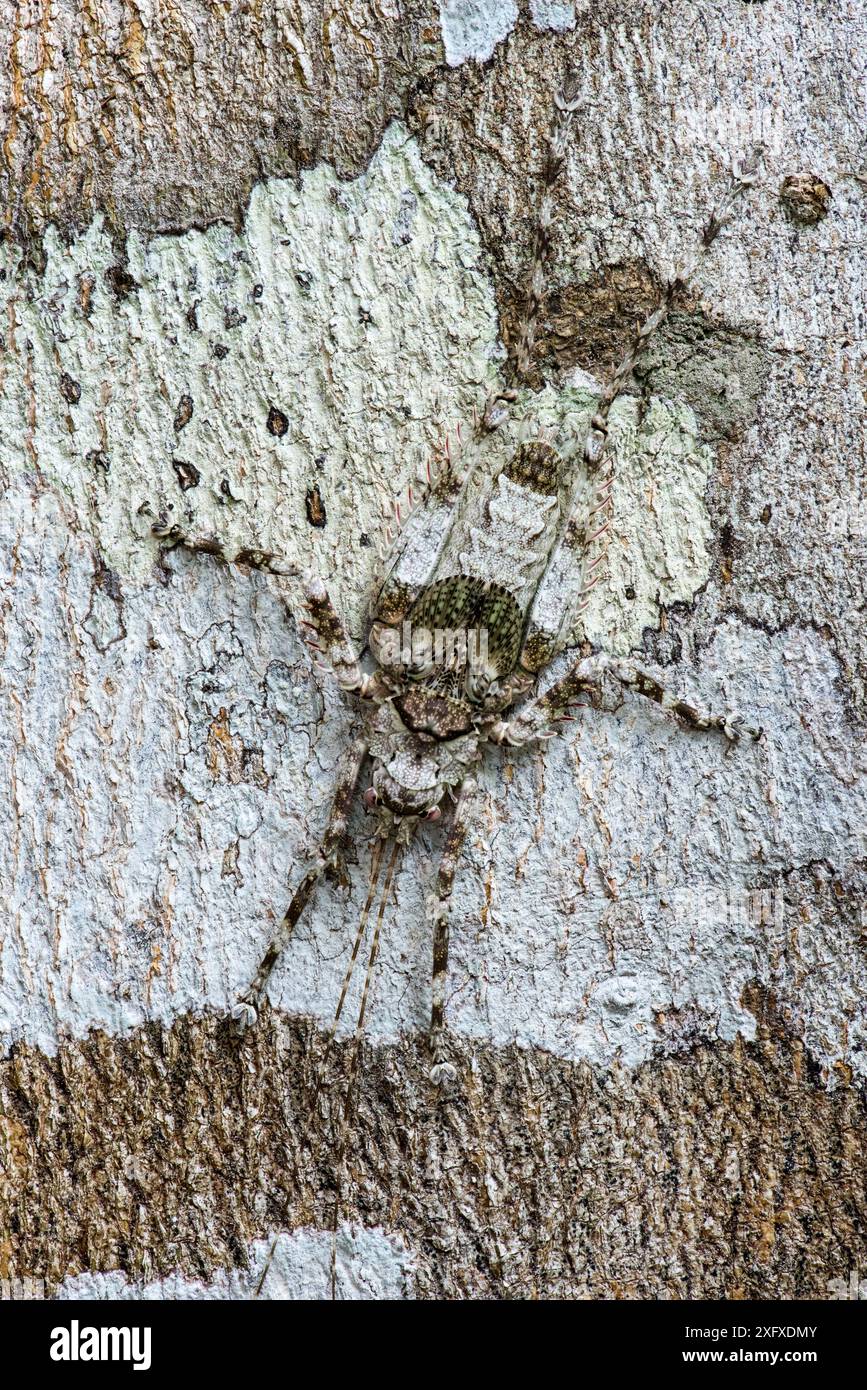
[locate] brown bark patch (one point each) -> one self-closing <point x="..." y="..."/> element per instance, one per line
<point x="723" y="1173"/>
<point x="169" y="125"/>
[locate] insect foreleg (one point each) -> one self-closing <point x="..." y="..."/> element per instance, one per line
<point x="245" y="1011"/>
<point x="438" y="906"/>
<point x="335" y="647"/>
<point x="165" y="529"/>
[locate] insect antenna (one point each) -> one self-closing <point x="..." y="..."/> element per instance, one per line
<point x="565" y="104"/>
<point x="742" y="178"/>
<point x="597" y="455"/>
<point x="517" y="369"/>
<point x="375" y="865"/>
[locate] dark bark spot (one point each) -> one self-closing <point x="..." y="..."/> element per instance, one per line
<point x="70" y="389"/>
<point x="277" y="422"/>
<point x="184" y="413"/>
<point x="728" y="540"/>
<point x="728" y="547"/>
<point x="315" y="506"/>
<point x="187" y="474"/>
<point x="86" y="286"/>
<point x="120" y="282"/>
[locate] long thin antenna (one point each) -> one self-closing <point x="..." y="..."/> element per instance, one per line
<point x="566" y="103"/>
<point x="356" y="1051"/>
<point x="375" y="863"/>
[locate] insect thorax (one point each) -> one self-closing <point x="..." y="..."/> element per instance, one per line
<point x="455" y="656"/>
<point x="459" y="618"/>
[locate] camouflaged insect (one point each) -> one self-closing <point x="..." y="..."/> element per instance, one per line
<point x="482" y="587"/>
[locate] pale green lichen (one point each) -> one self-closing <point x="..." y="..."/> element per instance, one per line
<point x="327" y="343"/>
<point x="359" y="310"/>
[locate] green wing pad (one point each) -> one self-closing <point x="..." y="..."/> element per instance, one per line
<point x="465" y="602"/>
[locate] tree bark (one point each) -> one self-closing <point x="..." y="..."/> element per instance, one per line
<point x="257" y="259"/>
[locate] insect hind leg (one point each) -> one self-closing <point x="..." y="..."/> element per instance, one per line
<point x="442" y="1073"/>
<point x="245" y="1011"/>
<point x="730" y="723"/>
<point x="539" y="718"/>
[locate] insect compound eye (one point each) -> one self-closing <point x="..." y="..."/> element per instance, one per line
<point x="433" y="814"/>
<point x="370" y="798"/>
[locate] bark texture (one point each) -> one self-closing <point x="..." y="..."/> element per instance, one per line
<point x="256" y="258"/>
<point x="722" y="1172"/>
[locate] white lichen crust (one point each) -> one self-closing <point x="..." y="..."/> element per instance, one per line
<point x="186" y="715"/>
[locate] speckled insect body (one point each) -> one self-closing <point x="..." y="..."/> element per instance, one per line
<point x="503" y="560"/>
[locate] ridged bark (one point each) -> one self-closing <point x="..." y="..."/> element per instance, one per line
<point x="256" y="259"/>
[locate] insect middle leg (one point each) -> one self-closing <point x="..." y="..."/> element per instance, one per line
<point x="539" y="717"/>
<point x="439" y="903"/>
<point x="633" y="678"/>
<point x="245" y="1010"/>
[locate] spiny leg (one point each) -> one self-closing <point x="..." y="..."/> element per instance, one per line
<point x="439" y="904"/>
<point x="334" y="644"/>
<point x="374" y="952"/>
<point x="633" y="678"/>
<point x="244" y="1012"/>
<point x="329" y="638"/>
<point x="538" y="718"/>
<point x="166" y="528"/>
<point x="375" y="865"/>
